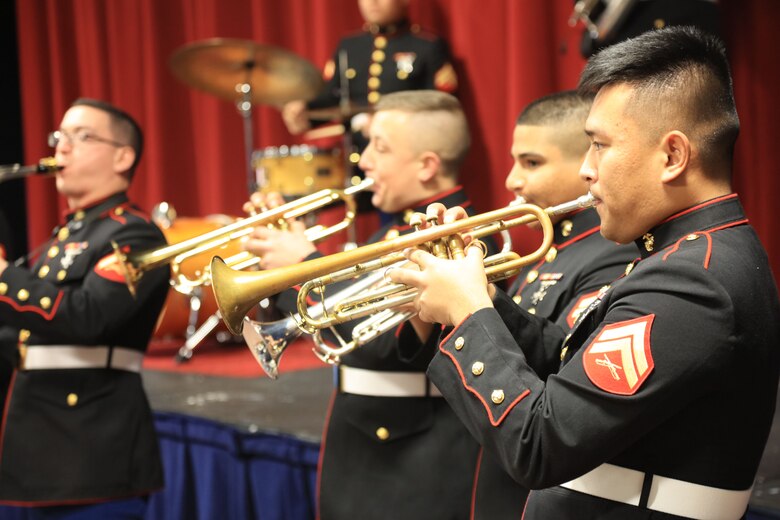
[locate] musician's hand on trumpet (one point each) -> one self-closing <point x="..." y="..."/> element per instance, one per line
<point x="448" y="290"/>
<point x="278" y="245"/>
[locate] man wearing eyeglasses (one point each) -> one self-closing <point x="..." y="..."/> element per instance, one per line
<point x="77" y="436"/>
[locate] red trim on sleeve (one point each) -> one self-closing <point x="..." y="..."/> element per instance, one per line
<point x="453" y="330"/>
<point x="493" y="421"/>
<point x="31" y="308"/>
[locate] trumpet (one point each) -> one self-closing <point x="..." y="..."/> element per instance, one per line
<point x="133" y="265"/>
<point x="237" y="292"/>
<point x="46" y="166"/>
<point x="268" y="341"/>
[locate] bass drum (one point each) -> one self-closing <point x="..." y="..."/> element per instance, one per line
<point x="174" y="318"/>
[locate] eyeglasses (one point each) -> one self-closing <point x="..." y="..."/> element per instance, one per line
<point x="80" y="136"/>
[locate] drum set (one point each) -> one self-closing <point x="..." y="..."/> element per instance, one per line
<point x="246" y="73"/>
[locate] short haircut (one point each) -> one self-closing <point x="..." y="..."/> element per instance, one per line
<point x="565" y="111"/>
<point x="439" y="125"/>
<point x="124" y="127"/>
<point x="681" y="78"/>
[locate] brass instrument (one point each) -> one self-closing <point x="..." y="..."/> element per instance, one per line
<point x="133" y="265"/>
<point x="268" y="341"/>
<point x="238" y="292"/>
<point x="46" y="166"/>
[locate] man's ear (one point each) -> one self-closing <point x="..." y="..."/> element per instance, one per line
<point x="677" y="148"/>
<point x="430" y="166"/>
<point x="124" y="158"/>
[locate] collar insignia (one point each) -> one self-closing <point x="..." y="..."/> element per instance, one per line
<point x="649" y="239"/>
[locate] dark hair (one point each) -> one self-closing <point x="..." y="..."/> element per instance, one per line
<point x="123" y="125"/>
<point x="553" y="109"/>
<point x="680" y="76"/>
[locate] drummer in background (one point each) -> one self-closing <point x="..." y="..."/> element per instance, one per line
<point x="392" y="447"/>
<point x="388" y="55"/>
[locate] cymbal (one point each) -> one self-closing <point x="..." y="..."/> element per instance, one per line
<point x="337" y="112"/>
<point x="220" y="65"/>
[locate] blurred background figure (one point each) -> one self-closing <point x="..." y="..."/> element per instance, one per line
<point x="611" y="21"/>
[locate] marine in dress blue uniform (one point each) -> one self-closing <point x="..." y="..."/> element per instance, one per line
<point x="392" y="448"/>
<point x="104" y="445"/>
<point x="384" y="453"/>
<point x="558" y="288"/>
<point x="77" y="427"/>
<point x="648" y="371"/>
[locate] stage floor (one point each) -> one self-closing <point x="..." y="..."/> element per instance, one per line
<point x="296" y="404"/>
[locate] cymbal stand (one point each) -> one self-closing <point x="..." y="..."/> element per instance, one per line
<point x="195" y="336"/>
<point x="347" y="138"/>
<point x="244" y="106"/>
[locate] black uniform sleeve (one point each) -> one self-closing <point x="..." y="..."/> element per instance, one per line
<point x="547" y="432"/>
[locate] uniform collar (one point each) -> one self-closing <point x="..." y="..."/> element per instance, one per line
<point x="97" y="208"/>
<point x="389" y="29"/>
<point x="707" y="215"/>
<point x="452" y="197"/>
<point x="575" y="225"/>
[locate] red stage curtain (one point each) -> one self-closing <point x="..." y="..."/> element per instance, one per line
<point x="507" y="53"/>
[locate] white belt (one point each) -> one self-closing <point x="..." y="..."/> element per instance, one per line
<point x="384" y="384"/>
<point x="52" y="357"/>
<point x="667" y="495"/>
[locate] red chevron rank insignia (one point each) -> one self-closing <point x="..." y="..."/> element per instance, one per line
<point x="108" y="267"/>
<point x="580" y="306"/>
<point x="619" y="360"/>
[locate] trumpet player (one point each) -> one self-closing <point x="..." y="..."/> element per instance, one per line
<point x="392" y="448"/>
<point x="78" y="438"/>
<point x="548" y="146"/>
<point x="666" y="391"/>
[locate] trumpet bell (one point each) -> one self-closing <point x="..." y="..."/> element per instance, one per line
<point x="268" y="341"/>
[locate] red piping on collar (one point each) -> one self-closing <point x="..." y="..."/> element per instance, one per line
<point x="699" y="206"/>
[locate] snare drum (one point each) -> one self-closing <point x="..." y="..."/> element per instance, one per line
<point x="298" y="170"/>
<point x="175" y="315"/>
